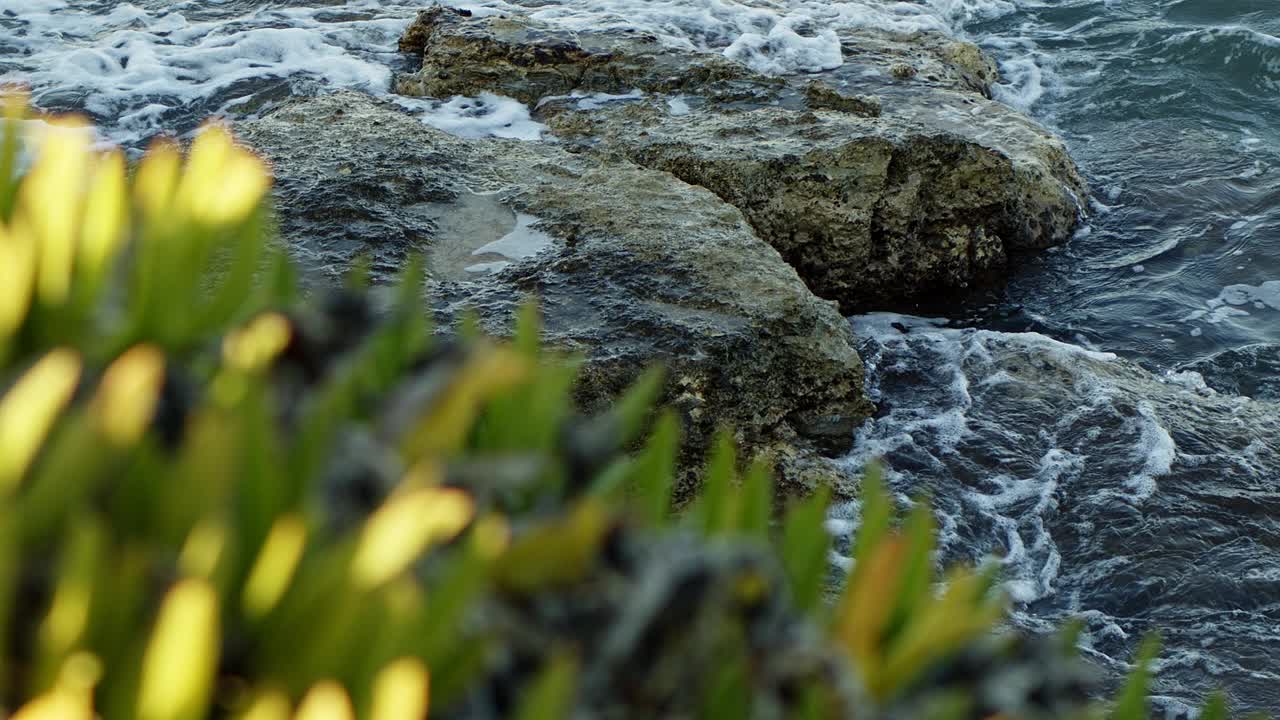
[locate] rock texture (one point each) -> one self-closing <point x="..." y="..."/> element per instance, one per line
<point x="689" y="210"/>
<point x="517" y="57"/>
<point x="632" y="266"/>
<point x="891" y="179"/>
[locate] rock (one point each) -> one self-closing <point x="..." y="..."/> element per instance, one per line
<point x="891" y="179"/>
<point x="903" y="71"/>
<point x="514" y="56"/>
<point x="821" y="96"/>
<point x="872" y="212"/>
<point x="631" y="266"/>
<point x="975" y="67"/>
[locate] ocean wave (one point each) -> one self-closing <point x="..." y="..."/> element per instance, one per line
<point x="1243" y="56"/>
<point x="1134" y="500"/>
<point x="141" y="68"/>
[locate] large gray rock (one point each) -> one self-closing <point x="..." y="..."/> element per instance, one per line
<point x="890" y="179"/>
<point x="631" y="266"/>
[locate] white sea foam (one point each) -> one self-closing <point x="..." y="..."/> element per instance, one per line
<point x="999" y="427"/>
<point x="141" y="69"/>
<point x="595" y="101"/>
<point x="784" y="49"/>
<point x="1155" y="450"/>
<point x="1264" y="295"/>
<point x="1232" y="301"/>
<point x="772" y="36"/>
<point x="486" y="115"/>
<point x="138" y="70"/>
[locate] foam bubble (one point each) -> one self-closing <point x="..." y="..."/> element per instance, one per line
<point x="486" y="115"/>
<point x="784" y="50"/>
<point x="150" y="68"/>
<point x="1266" y="295"/>
<point x="1155" y="450"/>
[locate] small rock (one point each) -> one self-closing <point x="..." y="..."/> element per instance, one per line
<point x="823" y="97"/>
<point x="903" y="71"/>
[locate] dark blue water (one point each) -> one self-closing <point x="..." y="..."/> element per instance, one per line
<point x="1122" y="490"/>
<point x="1172" y="108"/>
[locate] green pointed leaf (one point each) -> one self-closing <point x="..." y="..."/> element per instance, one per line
<point x="757" y="500"/>
<point x="815" y="704"/>
<point x="717" y="507"/>
<point x="13" y="112"/>
<point x="409" y="288"/>
<point x="728" y="696"/>
<point x="469" y="329"/>
<point x="654" y="471"/>
<point x="634" y="407"/>
<point x="806" y="547"/>
<point x="528" y="335"/>
<point x="1069" y="635"/>
<point x="550" y="696"/>
<point x="877" y="513"/>
<point x="1215" y="707"/>
<point x="358" y="274"/>
<point x="918" y="575"/>
<point x="1133" y="702"/>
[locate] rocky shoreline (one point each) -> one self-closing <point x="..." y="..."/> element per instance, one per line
<point x="684" y="209"/>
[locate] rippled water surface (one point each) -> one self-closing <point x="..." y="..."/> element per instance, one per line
<point x="1107" y="425"/>
<point x="1173" y="110"/>
<point x="1138" y="500"/>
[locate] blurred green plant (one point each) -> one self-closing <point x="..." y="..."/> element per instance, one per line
<point x="219" y="499"/>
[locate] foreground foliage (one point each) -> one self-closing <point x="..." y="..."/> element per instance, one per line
<point x="221" y="498"/>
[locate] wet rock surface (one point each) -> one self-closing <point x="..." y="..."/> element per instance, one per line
<point x="688" y="211"/>
<point x="891" y="179"/>
<point x="514" y="56"/>
<point x="631" y="267"/>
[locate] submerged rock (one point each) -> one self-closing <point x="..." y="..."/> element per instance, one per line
<point x="631" y="266"/>
<point x="889" y="179"/>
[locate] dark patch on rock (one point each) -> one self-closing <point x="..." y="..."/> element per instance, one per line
<point x="823" y="97"/>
